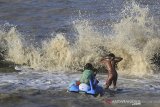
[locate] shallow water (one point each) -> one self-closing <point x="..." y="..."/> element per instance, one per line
<point x="50" y="98"/>
<point x="40" y="88"/>
<point x="53" y="38"/>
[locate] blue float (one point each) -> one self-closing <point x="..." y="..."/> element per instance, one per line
<point x="94" y="89"/>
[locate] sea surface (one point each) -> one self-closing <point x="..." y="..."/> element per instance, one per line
<point x="44" y="44"/>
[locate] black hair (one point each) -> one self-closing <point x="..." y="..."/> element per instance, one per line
<point x="111" y="55"/>
<point x="88" y="66"/>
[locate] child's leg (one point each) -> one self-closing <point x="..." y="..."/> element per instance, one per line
<point x="109" y="81"/>
<point x="115" y="81"/>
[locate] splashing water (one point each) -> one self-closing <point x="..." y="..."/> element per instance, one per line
<point x="135" y="39"/>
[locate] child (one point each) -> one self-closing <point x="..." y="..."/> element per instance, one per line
<point x="88" y="74"/>
<point x="110" y="62"/>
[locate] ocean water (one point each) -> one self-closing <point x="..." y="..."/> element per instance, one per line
<point x="50" y="41"/>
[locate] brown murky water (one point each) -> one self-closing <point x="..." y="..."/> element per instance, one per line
<point x="53" y="98"/>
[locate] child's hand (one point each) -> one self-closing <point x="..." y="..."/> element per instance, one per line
<point x="78" y="82"/>
<point x="97" y="80"/>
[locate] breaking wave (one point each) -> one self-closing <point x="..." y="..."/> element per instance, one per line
<point x="135" y="38"/>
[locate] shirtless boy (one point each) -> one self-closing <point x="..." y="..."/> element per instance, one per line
<point x="110" y="62"/>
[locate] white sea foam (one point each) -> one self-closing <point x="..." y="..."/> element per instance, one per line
<point x="33" y="79"/>
<point x="135" y="38"/>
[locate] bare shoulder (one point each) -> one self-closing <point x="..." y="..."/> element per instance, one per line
<point x="105" y="60"/>
<point x="108" y="58"/>
<point x="118" y="59"/>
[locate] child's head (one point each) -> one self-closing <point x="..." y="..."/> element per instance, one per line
<point x="88" y="66"/>
<point x="109" y="56"/>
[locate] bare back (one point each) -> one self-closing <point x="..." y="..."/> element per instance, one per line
<point x="110" y="64"/>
